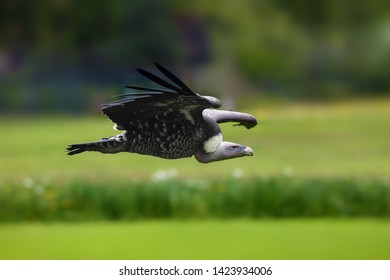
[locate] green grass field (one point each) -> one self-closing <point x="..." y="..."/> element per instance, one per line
<point x="337" y="139"/>
<point x="324" y="142"/>
<point x="235" y="239"/>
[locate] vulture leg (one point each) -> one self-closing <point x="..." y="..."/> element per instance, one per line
<point x="222" y="116"/>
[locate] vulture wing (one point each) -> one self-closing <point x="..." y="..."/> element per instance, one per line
<point x="175" y="102"/>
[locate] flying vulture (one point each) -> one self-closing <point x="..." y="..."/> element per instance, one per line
<point x="171" y="122"/>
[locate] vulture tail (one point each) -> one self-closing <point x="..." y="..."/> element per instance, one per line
<point x="106" y="146"/>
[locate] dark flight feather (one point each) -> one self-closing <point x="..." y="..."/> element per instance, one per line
<point x="174" y="79"/>
<point x="159" y="81"/>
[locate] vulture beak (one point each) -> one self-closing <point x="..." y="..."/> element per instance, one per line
<point x="248" y="151"/>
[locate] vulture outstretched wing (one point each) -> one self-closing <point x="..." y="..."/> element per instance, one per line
<point x="174" y="102"/>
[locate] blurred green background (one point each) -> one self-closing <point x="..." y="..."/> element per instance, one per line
<point x="315" y="74"/>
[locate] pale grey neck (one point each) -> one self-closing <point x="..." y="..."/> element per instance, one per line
<point x="203" y="157"/>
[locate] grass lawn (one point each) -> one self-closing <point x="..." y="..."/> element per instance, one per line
<point x="233" y="239"/>
<point x="332" y="139"/>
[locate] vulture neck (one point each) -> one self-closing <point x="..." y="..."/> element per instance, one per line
<point x="226" y="150"/>
<point x="204" y="157"/>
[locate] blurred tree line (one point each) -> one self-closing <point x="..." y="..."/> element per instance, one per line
<point x="62" y="55"/>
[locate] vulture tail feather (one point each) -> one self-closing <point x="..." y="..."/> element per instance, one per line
<point x="106" y="146"/>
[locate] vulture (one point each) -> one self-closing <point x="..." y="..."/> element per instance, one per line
<point x="170" y="122"/>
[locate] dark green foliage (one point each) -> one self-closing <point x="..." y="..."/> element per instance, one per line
<point x="185" y="199"/>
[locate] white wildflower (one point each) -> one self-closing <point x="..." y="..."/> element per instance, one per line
<point x="171" y="173"/>
<point x="237" y="173"/>
<point x="28" y="182"/>
<point x="288" y="171"/>
<point x="161" y="174"/>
